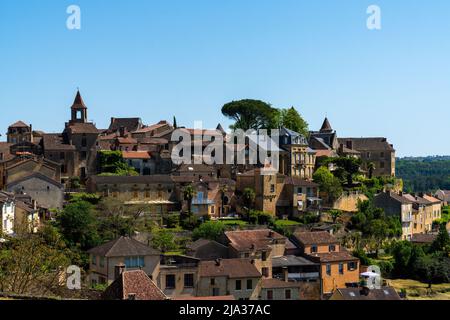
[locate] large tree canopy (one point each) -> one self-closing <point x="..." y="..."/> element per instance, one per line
<point x="292" y="120"/>
<point x="250" y="114"/>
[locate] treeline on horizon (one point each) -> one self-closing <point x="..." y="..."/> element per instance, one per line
<point x="424" y="174"/>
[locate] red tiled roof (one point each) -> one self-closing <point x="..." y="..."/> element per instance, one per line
<point x="134" y="283"/>
<point x="275" y="283"/>
<point x="319" y="237"/>
<point x="135" y="155"/>
<point x="338" y="256"/>
<point x="231" y="268"/>
<point x="19" y="124"/>
<point x="245" y="240"/>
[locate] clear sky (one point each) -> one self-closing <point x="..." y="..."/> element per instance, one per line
<point x="159" y="58"/>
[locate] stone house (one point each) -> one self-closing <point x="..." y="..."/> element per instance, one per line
<point x="107" y="261"/>
<point x="178" y="275"/>
<point x="274" y="289"/>
<point x="444" y="196"/>
<point x="47" y="192"/>
<point x="394" y="204"/>
<point x="338" y="268"/>
<point x="259" y="245"/>
<point x="237" y="277"/>
<point x="207" y="250"/>
<point x="7" y="212"/>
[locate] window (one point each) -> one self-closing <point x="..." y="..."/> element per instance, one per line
<point x="189" y="280"/>
<point x="272" y="188"/>
<point x="249" y="284"/>
<point x="213" y="209"/>
<point x="264" y="256"/>
<point x="265" y="272"/>
<point x="147" y="193"/>
<point x="269" y="294"/>
<point x="102" y="262"/>
<point x="83" y="155"/>
<point x="341" y="268"/>
<point x="216" y="292"/>
<point x="287" y="294"/>
<point x="332" y="248"/>
<point x="329" y="269"/>
<point x="238" y="285"/>
<point x="83" y="142"/>
<point x="382" y="155"/>
<point x="134" y="262"/>
<point x="170" y="281"/>
<point x="352" y="266"/>
<point x="381" y="165"/>
<point x="94" y="260"/>
<point x="135" y="194"/>
<point x="314" y="248"/>
<point x="62" y="155"/>
<point x="213" y="281"/>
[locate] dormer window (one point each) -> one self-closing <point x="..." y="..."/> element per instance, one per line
<point x="314" y="248"/>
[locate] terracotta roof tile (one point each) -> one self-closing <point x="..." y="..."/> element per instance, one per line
<point x="317" y="238"/>
<point x="245" y="240"/>
<point x="231" y="268"/>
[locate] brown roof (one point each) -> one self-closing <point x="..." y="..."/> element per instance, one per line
<point x="431" y="199"/>
<point x="19" y="124"/>
<point x="338" y="256"/>
<point x="136" y="155"/>
<point x="245" y="240"/>
<point x="122" y="247"/>
<point x="123" y="140"/>
<point x="135" y="283"/>
<point x="317" y="238"/>
<point x="231" y="268"/>
<point x="78" y="103"/>
<point x="278" y="284"/>
<point x="326" y="126"/>
<point x="423" y="238"/>
<point x="387" y="293"/>
<point x="83" y="128"/>
<point x="131" y="124"/>
<point x="300" y="182"/>
<point x="55" y="141"/>
<point x="368" y="144"/>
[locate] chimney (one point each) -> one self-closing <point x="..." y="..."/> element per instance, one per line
<point x="349" y="144"/>
<point x="252" y="261"/>
<point x="218" y="262"/>
<point x="271" y="234"/>
<point x="118" y="270"/>
<point x="286" y="274"/>
<point x="400" y="193"/>
<point x="122" y="131"/>
<point x="132" y="296"/>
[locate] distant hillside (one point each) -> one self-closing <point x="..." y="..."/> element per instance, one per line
<point x="424" y="174"/>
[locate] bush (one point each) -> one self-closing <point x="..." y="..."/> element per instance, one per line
<point x="190" y="222"/>
<point x="172" y="221"/>
<point x="209" y="230"/>
<point x="261" y="218"/>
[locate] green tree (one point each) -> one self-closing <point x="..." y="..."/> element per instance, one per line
<point x="328" y="184"/>
<point x="249" y="199"/>
<point x="77" y="224"/>
<point x="250" y="114"/>
<point x="348" y="167"/>
<point x="371" y="168"/>
<point x="209" y="230"/>
<point x="189" y="194"/>
<point x="175" y="122"/>
<point x="29" y="266"/>
<point x="442" y="242"/>
<point x="335" y="215"/>
<point x="111" y="163"/>
<point x="164" y="241"/>
<point x="292" y="120"/>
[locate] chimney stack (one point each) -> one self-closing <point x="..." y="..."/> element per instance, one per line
<point x="218" y="262"/>
<point x="118" y="270"/>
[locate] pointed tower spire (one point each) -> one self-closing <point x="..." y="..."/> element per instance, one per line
<point x="78" y="103"/>
<point x="326" y="126"/>
<point x="79" y="110"/>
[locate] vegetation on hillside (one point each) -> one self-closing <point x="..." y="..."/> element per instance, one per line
<point x="424" y="174"/>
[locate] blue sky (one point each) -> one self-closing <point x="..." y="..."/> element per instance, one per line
<point x="159" y="58"/>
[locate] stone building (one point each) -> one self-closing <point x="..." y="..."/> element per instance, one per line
<point x="338" y="268"/>
<point x="237" y="277"/>
<point x="108" y="261"/>
<point x="76" y="148"/>
<point x="373" y="150"/>
<point x="297" y="159"/>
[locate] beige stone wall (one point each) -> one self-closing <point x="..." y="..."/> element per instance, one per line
<point x="349" y="203"/>
<point x="180" y="289"/>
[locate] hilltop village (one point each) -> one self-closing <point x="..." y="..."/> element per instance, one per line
<point x="141" y="227"/>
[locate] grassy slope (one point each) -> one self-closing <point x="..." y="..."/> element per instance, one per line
<point x="418" y="291"/>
